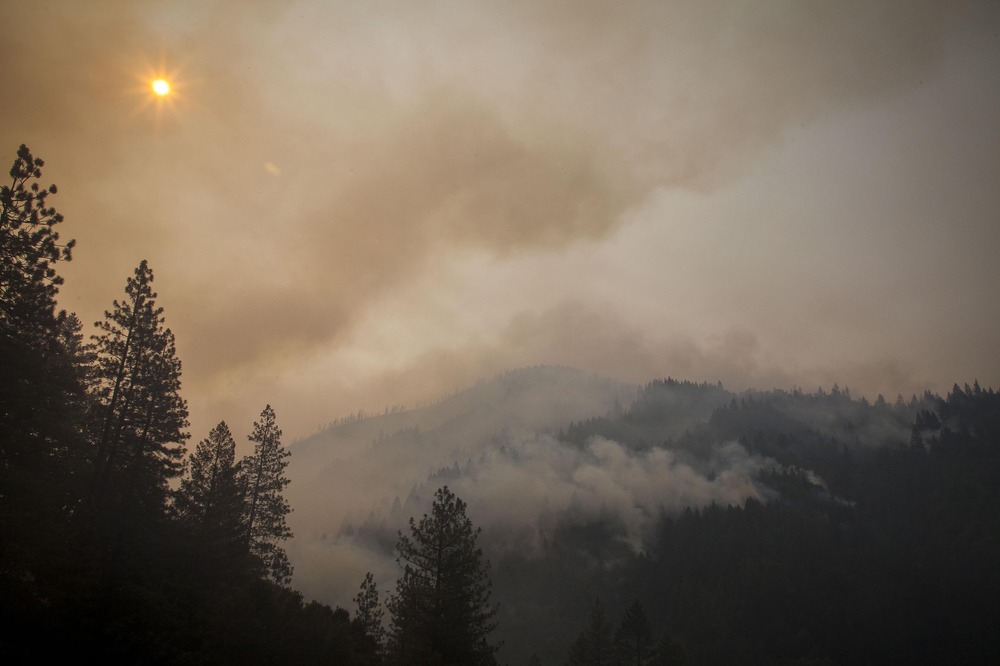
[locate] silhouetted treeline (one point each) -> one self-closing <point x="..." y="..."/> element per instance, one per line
<point x="101" y="554"/>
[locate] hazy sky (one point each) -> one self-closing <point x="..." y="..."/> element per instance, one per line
<point x="352" y="205"/>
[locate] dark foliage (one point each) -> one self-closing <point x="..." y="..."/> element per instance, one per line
<point x="370" y="633"/>
<point x="634" y="636"/>
<point x="210" y="502"/>
<point x="594" y="646"/>
<point x="441" y="612"/>
<point x="884" y="553"/>
<point x="262" y="477"/>
<point x="94" y="560"/>
<point x="142" y="417"/>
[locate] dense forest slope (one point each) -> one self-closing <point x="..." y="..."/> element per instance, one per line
<point x="759" y="527"/>
<point x="873" y="538"/>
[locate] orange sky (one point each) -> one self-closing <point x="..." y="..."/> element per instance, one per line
<point x="354" y="205"/>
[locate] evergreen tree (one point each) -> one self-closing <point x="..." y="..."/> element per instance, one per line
<point x="593" y="647"/>
<point x="142" y="419"/>
<point x="210" y="499"/>
<point x="41" y="392"/>
<point x="441" y="612"/>
<point x="42" y="402"/>
<point x="369" y="621"/>
<point x="262" y="476"/>
<point x="29" y="248"/>
<point x="634" y="636"/>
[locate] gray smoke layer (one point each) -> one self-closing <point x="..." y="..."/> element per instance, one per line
<point x="519" y="488"/>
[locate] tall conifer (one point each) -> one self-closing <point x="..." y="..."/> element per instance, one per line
<point x="140" y="432"/>
<point x="262" y="476"/>
<point x="42" y="398"/>
<point x="210" y="500"/>
<point x="441" y="612"/>
<point x="594" y="645"/>
<point x="634" y="636"/>
<point x="369" y="620"/>
<point x="29" y="249"/>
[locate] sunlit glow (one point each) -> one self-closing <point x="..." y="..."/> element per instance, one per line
<point x="161" y="87"/>
<point x="162" y="91"/>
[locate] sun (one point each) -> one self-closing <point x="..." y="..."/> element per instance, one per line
<point x="161" y="87"/>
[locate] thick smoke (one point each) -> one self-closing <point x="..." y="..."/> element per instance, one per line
<point x="509" y="489"/>
<point x="520" y="494"/>
<point x="520" y="450"/>
<point x="322" y="157"/>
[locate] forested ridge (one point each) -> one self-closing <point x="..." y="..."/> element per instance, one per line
<point x="855" y="531"/>
<point x="874" y="539"/>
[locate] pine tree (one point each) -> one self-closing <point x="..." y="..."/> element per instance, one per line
<point x="262" y="476"/>
<point x="369" y="621"/>
<point x="593" y="647"/>
<point x="29" y="248"/>
<point x="40" y="387"/>
<point x="634" y="636"/>
<point x="441" y="612"/>
<point x="42" y="396"/>
<point x="142" y="415"/>
<point x="210" y="500"/>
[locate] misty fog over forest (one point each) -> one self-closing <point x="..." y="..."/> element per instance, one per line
<point x="521" y="333"/>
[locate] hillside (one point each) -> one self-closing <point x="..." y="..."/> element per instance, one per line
<point x="787" y="526"/>
<point x="345" y="472"/>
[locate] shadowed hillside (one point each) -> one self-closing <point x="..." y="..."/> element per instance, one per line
<point x="714" y="509"/>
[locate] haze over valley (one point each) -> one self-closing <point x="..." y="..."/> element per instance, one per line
<point x="547" y="332"/>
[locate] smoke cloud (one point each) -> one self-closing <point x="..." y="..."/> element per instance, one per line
<point x="520" y="494"/>
<point x="323" y="164"/>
